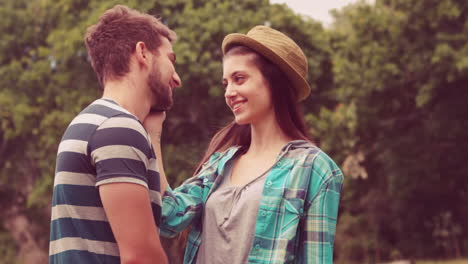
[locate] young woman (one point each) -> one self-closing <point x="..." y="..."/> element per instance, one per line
<point x="263" y="193"/>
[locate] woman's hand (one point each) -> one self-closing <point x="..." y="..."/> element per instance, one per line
<point x="153" y="124"/>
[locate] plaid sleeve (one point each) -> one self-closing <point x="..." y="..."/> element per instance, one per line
<point x="184" y="204"/>
<point x="181" y="206"/>
<point x="318" y="225"/>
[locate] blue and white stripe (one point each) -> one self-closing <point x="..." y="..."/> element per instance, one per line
<point x="103" y="144"/>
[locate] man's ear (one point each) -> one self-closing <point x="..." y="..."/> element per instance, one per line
<point x="142" y="53"/>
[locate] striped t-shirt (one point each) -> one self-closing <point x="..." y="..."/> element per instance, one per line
<point x="103" y="144"/>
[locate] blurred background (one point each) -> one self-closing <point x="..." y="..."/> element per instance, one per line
<point x="389" y="104"/>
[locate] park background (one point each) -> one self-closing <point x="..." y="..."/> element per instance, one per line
<point x="389" y="104"/>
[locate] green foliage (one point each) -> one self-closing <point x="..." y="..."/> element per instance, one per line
<point x="388" y="102"/>
<point x="47" y="79"/>
<point x="7" y="249"/>
<point x="199" y="108"/>
<point x="397" y="69"/>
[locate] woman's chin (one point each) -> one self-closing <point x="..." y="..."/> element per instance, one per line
<point x="241" y="121"/>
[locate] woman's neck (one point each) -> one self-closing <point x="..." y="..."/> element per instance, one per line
<point x="267" y="137"/>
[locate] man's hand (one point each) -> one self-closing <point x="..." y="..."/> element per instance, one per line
<point x="153" y="124"/>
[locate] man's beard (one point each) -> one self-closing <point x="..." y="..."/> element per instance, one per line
<point x="161" y="92"/>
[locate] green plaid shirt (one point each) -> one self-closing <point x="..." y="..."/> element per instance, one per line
<point x="297" y="217"/>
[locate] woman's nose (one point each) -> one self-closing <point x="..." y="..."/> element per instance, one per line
<point x="230" y="92"/>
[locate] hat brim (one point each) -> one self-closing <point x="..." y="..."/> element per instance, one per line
<point x="299" y="82"/>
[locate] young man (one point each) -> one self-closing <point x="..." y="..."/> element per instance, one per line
<point x="107" y="195"/>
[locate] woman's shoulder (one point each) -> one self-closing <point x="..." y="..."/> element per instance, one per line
<point x="320" y="170"/>
<point x="307" y="154"/>
<point x="219" y="156"/>
<point x="223" y="153"/>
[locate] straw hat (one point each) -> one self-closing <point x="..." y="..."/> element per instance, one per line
<point x="279" y="49"/>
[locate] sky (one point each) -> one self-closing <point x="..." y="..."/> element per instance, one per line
<point x="317" y="9"/>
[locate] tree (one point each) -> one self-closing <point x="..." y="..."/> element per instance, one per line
<point x="400" y="70"/>
<point x="47" y="79"/>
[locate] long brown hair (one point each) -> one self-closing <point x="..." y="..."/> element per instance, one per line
<point x="287" y="112"/>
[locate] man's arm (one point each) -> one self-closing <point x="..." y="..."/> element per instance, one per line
<point x="120" y="151"/>
<point x="128" y="210"/>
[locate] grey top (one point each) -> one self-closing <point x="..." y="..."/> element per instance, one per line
<point x="229" y="221"/>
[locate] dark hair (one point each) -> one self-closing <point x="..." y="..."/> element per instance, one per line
<point x="112" y="40"/>
<point x="287" y="112"/>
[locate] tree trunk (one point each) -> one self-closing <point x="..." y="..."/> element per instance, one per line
<point x="21" y="229"/>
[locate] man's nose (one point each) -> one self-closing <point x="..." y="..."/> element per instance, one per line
<point x="176" y="82"/>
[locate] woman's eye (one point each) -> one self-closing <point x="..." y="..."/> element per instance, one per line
<point x="238" y="78"/>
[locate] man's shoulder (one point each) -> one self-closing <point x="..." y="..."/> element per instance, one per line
<point x="110" y="121"/>
<point x="106" y="107"/>
<point x="114" y="128"/>
<point x="100" y="110"/>
<point x="98" y="113"/>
